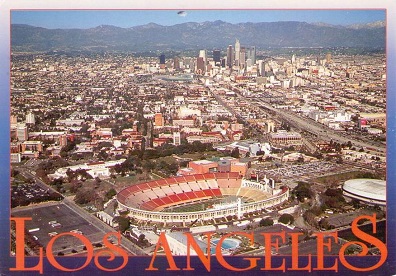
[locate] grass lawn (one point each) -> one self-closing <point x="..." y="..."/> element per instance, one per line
<point x="202" y="155"/>
<point x="337" y="177"/>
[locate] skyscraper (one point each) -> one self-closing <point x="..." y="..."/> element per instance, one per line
<point x="176" y="63"/>
<point x="202" y="54"/>
<point x="242" y="57"/>
<point x="162" y="59"/>
<point x="200" y="65"/>
<point x="216" y="56"/>
<point x="223" y="62"/>
<point x="237" y="51"/>
<point x="230" y="59"/>
<point x="251" y="54"/>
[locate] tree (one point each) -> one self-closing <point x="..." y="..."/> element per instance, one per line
<point x="266" y="222"/>
<point x="65" y="150"/>
<point x="103" y="155"/>
<point x="302" y="191"/>
<point x="309" y="217"/>
<point x="148" y="165"/>
<point x="14" y="172"/>
<point x="300" y="159"/>
<point x="110" y="193"/>
<point x="286" y="219"/>
<point x="84" y="196"/>
<point x="123" y="224"/>
<point x="355" y="203"/>
<point x="324" y="223"/>
<point x="141" y="238"/>
<point x="235" y="153"/>
<point x="58" y="182"/>
<point x="74" y="186"/>
<point x="333" y="198"/>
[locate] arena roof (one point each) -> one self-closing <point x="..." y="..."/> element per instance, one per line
<point x="368" y="188"/>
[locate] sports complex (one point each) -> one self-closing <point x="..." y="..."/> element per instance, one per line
<point x="200" y="197"/>
<point x="371" y="191"/>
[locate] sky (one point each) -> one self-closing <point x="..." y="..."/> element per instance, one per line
<point x="84" y="19"/>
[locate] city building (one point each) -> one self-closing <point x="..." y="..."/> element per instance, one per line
<point x="30" y="118"/>
<point x="203" y="166"/>
<point x="158" y="120"/>
<point x="176" y="139"/>
<point x="283" y="138"/>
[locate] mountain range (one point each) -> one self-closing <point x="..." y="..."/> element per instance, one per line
<point x="194" y="36"/>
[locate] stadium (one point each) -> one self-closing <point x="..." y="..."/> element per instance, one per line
<point x="201" y="198"/>
<point x="371" y="191"/>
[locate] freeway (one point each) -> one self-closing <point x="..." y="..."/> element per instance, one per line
<point x="302" y="123"/>
<point x="322" y="132"/>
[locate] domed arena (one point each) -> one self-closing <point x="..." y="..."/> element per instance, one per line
<point x="201" y="197"/>
<point x="371" y="191"/>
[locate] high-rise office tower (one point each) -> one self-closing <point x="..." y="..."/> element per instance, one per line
<point x="200" y="65"/>
<point x="176" y="63"/>
<point x="251" y="54"/>
<point x="223" y="62"/>
<point x="261" y="67"/>
<point x="242" y="57"/>
<point x="202" y="54"/>
<point x="237" y="51"/>
<point x="216" y="56"/>
<point x="230" y="59"/>
<point x="162" y="59"/>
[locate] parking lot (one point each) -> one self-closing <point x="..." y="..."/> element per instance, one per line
<point x="313" y="169"/>
<point x="58" y="218"/>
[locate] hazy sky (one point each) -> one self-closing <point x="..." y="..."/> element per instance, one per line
<point x="129" y="18"/>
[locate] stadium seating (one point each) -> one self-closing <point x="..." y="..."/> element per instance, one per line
<point x="158" y="194"/>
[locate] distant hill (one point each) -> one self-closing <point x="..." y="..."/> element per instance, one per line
<point x="192" y="36"/>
